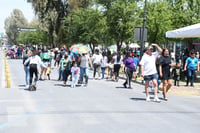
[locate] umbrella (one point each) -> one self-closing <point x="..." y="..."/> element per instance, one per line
<point x="75" y="46"/>
<point x="112" y="48"/>
<point x="74" y="50"/>
<point x="83" y="50"/>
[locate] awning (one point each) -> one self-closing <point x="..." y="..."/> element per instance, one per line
<point x="192" y="31"/>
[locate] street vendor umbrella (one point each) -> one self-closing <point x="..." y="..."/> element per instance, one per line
<point x="75" y="46"/>
<point x="83" y="50"/>
<point x="112" y="48"/>
<point x="75" y="50"/>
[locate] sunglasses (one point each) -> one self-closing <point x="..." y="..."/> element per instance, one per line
<point x="151" y="49"/>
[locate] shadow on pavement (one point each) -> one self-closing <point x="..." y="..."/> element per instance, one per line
<point x="21" y="85"/>
<point x="138" y="99"/>
<point x="62" y="85"/>
<point x="121" y="87"/>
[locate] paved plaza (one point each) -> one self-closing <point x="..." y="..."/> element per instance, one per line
<point x="102" y="107"/>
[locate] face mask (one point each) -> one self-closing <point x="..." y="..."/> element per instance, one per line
<point x="166" y="55"/>
<point x="75" y="65"/>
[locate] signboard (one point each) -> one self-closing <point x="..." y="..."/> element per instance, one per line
<point x="138" y="34"/>
<point x="26" y="29"/>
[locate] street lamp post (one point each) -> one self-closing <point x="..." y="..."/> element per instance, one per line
<point x="143" y="29"/>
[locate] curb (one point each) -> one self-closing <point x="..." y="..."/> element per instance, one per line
<point x="7" y="71"/>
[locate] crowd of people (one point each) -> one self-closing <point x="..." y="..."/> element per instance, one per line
<point x="156" y="67"/>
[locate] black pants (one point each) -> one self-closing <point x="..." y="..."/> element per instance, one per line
<point x="66" y="74"/>
<point x="97" y="68"/>
<point x="176" y="80"/>
<point x="33" y="70"/>
<point x="116" y="70"/>
<point x="129" y="75"/>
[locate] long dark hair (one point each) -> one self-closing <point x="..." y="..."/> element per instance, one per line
<point x="163" y="51"/>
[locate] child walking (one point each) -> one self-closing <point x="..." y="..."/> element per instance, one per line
<point x="176" y="72"/>
<point x="75" y="74"/>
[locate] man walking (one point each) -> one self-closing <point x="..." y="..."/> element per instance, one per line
<point x="148" y="70"/>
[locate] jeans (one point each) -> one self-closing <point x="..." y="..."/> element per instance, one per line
<point x="84" y="71"/>
<point x="190" y="76"/>
<point x="60" y="73"/>
<point x="27" y="74"/>
<point x="103" y="72"/>
<point x="74" y="79"/>
<point x="96" y="69"/>
<point x="129" y="75"/>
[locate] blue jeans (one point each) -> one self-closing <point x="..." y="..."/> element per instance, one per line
<point x="190" y="76"/>
<point x="60" y="73"/>
<point x="83" y="71"/>
<point x="27" y="74"/>
<point x="103" y="72"/>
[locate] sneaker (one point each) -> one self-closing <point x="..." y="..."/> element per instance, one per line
<point x="148" y="99"/>
<point x="156" y="99"/>
<point x="82" y="85"/>
<point x="27" y="86"/>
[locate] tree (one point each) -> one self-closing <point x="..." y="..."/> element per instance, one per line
<point x="121" y="18"/>
<point x="158" y="21"/>
<point x="51" y="14"/>
<point x="86" y="26"/>
<point x="16" y="20"/>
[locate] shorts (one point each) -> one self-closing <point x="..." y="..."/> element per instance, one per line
<point x="151" y="77"/>
<point x="46" y="64"/>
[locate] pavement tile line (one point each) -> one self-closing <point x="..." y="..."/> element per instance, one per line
<point x="26" y="116"/>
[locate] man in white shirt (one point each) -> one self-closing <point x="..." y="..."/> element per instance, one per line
<point x="148" y="70"/>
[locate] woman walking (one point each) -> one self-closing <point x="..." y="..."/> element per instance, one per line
<point x="26" y="67"/>
<point x="34" y="61"/>
<point x="97" y="63"/>
<point x="84" y="61"/>
<point x="164" y="71"/>
<point x="128" y="67"/>
<point x="104" y="63"/>
<point x="191" y="64"/>
<point x="117" y="65"/>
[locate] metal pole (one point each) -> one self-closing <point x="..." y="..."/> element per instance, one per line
<point x="143" y="28"/>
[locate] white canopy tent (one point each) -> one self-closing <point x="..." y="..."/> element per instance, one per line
<point x="192" y="31"/>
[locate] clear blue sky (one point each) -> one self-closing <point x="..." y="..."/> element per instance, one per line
<point x="7" y="6"/>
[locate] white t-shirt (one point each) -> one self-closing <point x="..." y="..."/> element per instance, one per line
<point x="149" y="63"/>
<point x="115" y="60"/>
<point x="97" y="58"/>
<point x="104" y="62"/>
<point x="75" y="70"/>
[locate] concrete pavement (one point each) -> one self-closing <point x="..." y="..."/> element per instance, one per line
<point x="102" y="107"/>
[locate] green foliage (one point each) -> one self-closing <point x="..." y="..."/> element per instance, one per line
<point x="87" y="26"/>
<point x="121" y="18"/>
<point x="32" y="38"/>
<point x="13" y="22"/>
<point x="158" y="21"/>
